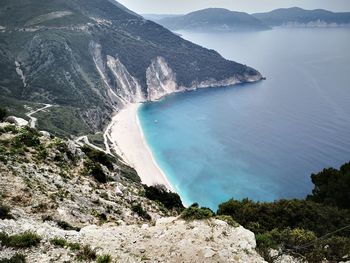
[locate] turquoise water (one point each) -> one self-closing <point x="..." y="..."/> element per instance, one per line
<point x="262" y="140"/>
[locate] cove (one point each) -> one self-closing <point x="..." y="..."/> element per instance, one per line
<point x="263" y="140"/>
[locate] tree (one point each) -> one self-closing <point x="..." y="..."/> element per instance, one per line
<point x="3" y="114"/>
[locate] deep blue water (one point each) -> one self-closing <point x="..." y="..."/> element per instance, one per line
<point x="262" y="140"/>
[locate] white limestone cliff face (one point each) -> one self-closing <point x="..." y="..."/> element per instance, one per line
<point x="161" y="80"/>
<point x="127" y="86"/>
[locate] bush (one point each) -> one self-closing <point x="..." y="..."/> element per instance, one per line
<point x="24" y="240"/>
<point x="3" y="114"/>
<point x="196" y="213"/>
<point x="95" y="170"/>
<point x="141" y="212"/>
<point x="28" y="137"/>
<point x="5" y="212"/>
<point x="17" y="258"/>
<point x="86" y="253"/>
<point x="128" y="172"/>
<point x="262" y="217"/>
<point x="332" y="187"/>
<point x="161" y="194"/>
<point x="66" y="226"/>
<point x="58" y="242"/>
<point x="98" y="157"/>
<point x="73" y="246"/>
<point x="104" y="259"/>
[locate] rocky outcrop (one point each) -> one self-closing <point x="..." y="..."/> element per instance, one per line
<point x="169" y="240"/>
<point x="161" y="80"/>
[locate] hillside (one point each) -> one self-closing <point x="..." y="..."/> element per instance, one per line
<point x="61" y="202"/>
<point x="89" y="58"/>
<point x="300" y="17"/>
<point x="213" y="19"/>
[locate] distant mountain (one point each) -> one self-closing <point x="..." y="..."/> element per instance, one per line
<point x="297" y="16"/>
<point x="156" y="17"/>
<point x="213" y="19"/>
<point x="91" y="57"/>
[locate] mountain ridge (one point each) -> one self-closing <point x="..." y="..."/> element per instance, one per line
<point x="297" y="15"/>
<point x="92" y="57"/>
<point x="214" y="19"/>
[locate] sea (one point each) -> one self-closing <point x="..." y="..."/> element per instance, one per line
<point x="260" y="141"/>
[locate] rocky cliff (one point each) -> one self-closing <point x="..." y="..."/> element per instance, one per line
<point x="60" y="202"/>
<point x="91" y="57"/>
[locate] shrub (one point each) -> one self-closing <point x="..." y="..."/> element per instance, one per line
<point x="5" y="212"/>
<point x="3" y="114"/>
<point x="104" y="259"/>
<point x="128" y="172"/>
<point x="28" y="137"/>
<point x="332" y="187"/>
<point x="58" y="242"/>
<point x="86" y="253"/>
<point x="24" y="240"/>
<point x="141" y="212"/>
<point x="98" y="156"/>
<point x="17" y="258"/>
<point x="161" y="194"/>
<point x="95" y="170"/>
<point x="73" y="246"/>
<point x="66" y="226"/>
<point x="195" y="213"/>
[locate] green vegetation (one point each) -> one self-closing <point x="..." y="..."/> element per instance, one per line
<point x="27" y="137"/>
<point x="194" y="212"/>
<point x="60" y="242"/>
<point x="24" y="240"/>
<point x="5" y="212"/>
<point x="104" y="259"/>
<point x="99" y="157"/>
<point x="141" y="212"/>
<point x="97" y="139"/>
<point x="161" y="194"/>
<point x="86" y="254"/>
<point x="3" y="114"/>
<point x="128" y="172"/>
<point x="95" y="170"/>
<point x="17" y="258"/>
<point x="317" y="228"/>
<point x="332" y="187"/>
<point x="66" y="226"/>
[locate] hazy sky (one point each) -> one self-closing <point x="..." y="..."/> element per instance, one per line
<point x="250" y="6"/>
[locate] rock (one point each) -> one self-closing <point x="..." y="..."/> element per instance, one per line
<point x="17" y="121"/>
<point x="208" y="252"/>
<point x="45" y="134"/>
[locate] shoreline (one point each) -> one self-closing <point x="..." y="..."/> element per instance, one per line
<point x="129" y="140"/>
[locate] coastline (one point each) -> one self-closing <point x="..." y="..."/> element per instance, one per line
<point x="128" y="139"/>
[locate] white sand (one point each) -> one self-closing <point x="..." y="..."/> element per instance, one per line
<point x="128" y="137"/>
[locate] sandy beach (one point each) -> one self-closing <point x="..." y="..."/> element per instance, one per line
<point x="128" y="137"/>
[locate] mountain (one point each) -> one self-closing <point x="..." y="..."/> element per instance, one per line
<point x="213" y="19"/>
<point x="89" y="58"/>
<point x="156" y="17"/>
<point x="298" y="16"/>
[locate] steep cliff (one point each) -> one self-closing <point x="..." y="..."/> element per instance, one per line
<point x="60" y="202"/>
<point x="91" y="57"/>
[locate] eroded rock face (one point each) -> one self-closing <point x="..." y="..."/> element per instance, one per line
<point x="161" y="80"/>
<point x="169" y="240"/>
